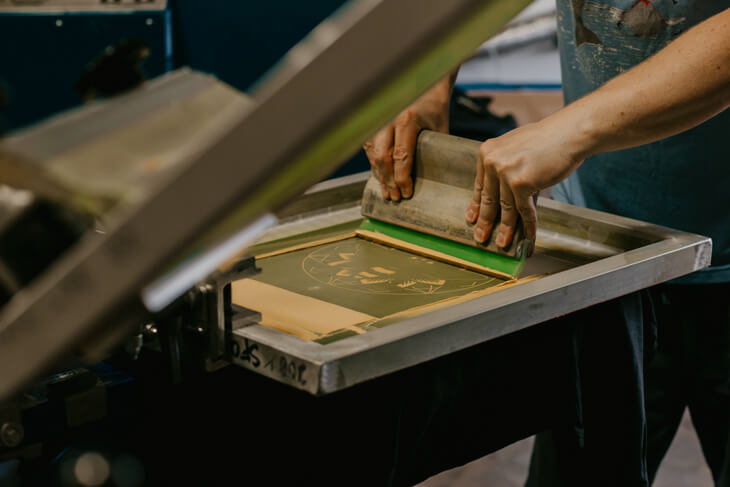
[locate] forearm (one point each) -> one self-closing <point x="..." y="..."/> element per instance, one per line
<point x="680" y="87"/>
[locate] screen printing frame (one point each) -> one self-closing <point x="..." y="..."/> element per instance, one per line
<point x="602" y="270"/>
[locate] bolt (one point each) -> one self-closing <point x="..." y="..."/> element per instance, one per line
<point x="11" y="434"/>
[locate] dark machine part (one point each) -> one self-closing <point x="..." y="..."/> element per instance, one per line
<point x="74" y="412"/>
<point x="68" y="409"/>
<point x="117" y="70"/>
<point x="193" y="334"/>
<point x="33" y="233"/>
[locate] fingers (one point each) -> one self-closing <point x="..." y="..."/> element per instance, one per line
<point x="526" y="208"/>
<point x="472" y="211"/>
<point x="380" y="154"/>
<point x="406" y="135"/>
<point x="513" y="205"/>
<point x="508" y="219"/>
<point x="496" y="192"/>
<point x="488" y="205"/>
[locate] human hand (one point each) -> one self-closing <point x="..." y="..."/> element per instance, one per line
<point x="391" y="150"/>
<point x="514" y="167"/>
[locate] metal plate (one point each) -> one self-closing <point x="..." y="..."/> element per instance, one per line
<point x="594" y="257"/>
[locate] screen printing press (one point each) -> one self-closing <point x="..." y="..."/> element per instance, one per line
<point x="170" y="221"/>
<point x="398" y="308"/>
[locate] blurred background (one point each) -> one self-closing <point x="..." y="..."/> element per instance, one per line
<point x="515" y="77"/>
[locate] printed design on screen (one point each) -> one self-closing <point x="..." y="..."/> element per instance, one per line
<point x="341" y="266"/>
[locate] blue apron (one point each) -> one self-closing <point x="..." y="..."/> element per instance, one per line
<point x="679" y="182"/>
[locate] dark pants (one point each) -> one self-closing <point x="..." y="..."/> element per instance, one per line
<point x="611" y="447"/>
<point x="689" y="367"/>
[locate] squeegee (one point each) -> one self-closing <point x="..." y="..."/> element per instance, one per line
<point x="434" y="217"/>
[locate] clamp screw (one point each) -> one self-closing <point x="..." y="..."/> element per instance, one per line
<point x="11" y="434"/>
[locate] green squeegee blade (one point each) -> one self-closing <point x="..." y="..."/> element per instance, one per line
<point x="482" y="257"/>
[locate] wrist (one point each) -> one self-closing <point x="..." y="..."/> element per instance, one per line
<point x="433" y="111"/>
<point x="438" y="96"/>
<point x="584" y="130"/>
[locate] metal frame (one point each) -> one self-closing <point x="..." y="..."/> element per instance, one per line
<point x="651" y="255"/>
<point x="353" y="74"/>
<point x="77" y="6"/>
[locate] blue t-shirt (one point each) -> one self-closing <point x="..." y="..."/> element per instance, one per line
<point x="681" y="182"/>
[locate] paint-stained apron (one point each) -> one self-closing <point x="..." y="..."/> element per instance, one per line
<point x="680" y="182"/>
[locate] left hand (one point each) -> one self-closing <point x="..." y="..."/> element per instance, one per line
<point x="515" y="166"/>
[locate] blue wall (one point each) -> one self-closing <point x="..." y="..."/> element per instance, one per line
<point x="238" y="41"/>
<point x="42" y="56"/>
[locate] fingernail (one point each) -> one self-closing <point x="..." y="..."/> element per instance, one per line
<point x="406" y="193"/>
<point x="501" y="238"/>
<point x="470" y="214"/>
<point x="479" y="234"/>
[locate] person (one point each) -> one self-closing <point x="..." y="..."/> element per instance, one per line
<point x="643" y="135"/>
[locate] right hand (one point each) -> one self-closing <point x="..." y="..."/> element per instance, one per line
<point x="517" y="165"/>
<point x="391" y="150"/>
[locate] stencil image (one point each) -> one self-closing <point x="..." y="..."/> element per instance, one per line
<point x="364" y="267"/>
<point x="344" y="286"/>
<point x="369" y="277"/>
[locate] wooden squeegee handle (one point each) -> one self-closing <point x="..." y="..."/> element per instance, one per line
<point x="443" y="175"/>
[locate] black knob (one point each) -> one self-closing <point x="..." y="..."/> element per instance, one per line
<point x="117" y="70"/>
